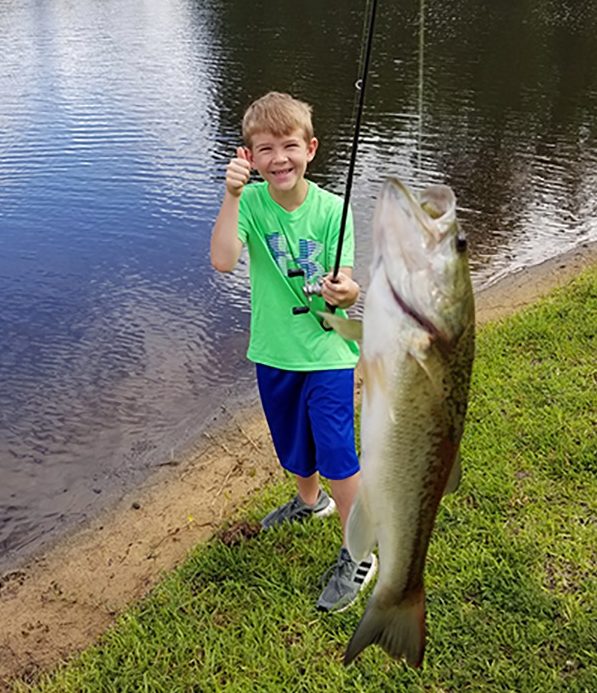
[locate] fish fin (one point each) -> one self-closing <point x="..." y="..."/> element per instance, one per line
<point x="360" y="531"/>
<point x="420" y="351"/>
<point x="427" y="370"/>
<point x="419" y="346"/>
<point x="346" y="327"/>
<point x="455" y="474"/>
<point x="398" y="628"/>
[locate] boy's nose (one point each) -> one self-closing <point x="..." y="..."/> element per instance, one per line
<point x="280" y="155"/>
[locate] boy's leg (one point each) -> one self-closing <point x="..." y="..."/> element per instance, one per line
<point x="344" y="492"/>
<point x="347" y="577"/>
<point x="308" y="488"/>
<point x="283" y="397"/>
<point x="331" y="407"/>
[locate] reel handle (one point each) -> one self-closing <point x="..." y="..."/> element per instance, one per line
<point x="324" y="325"/>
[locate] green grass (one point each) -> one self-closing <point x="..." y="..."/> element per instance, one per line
<point x="510" y="576"/>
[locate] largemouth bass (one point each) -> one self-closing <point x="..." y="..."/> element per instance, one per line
<point x="417" y="352"/>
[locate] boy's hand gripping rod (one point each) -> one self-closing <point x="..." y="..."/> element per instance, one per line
<point x="315" y="289"/>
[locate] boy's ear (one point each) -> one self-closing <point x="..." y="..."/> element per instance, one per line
<point x="312" y="148"/>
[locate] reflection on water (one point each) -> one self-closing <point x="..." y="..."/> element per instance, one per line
<point x="117" y="340"/>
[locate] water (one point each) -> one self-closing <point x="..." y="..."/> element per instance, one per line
<point x="118" y="343"/>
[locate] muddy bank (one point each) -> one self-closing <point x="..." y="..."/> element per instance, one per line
<point x="64" y="599"/>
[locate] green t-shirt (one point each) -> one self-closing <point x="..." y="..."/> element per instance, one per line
<point x="278" y="240"/>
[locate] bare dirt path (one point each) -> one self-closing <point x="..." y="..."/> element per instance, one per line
<point x="62" y="600"/>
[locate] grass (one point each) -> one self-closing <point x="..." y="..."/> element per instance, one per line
<point x="510" y="576"/>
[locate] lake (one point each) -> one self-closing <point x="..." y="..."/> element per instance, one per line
<point x="118" y="342"/>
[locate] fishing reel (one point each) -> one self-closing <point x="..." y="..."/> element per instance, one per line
<point x="310" y="289"/>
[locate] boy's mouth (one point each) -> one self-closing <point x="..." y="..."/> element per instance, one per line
<point x="282" y="172"/>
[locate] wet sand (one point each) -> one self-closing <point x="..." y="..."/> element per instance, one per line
<point x="62" y="600"/>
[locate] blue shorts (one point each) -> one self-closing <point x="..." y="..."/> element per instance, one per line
<point x="311" y="418"/>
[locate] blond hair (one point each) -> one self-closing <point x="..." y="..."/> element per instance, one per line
<point x="277" y="114"/>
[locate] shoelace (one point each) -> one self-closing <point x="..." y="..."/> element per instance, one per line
<point x="338" y="569"/>
<point x="287" y="509"/>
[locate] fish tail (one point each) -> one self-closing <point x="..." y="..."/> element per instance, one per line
<point x="398" y="628"/>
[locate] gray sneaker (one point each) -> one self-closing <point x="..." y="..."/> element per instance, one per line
<point x="297" y="510"/>
<point x="347" y="579"/>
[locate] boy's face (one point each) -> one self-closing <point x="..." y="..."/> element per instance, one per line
<point x="282" y="161"/>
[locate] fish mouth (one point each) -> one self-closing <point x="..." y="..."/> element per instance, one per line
<point x="433" y="211"/>
<point x="414" y="227"/>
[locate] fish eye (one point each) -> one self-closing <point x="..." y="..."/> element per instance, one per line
<point x="461" y="243"/>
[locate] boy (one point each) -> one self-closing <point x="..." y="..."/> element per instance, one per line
<point x="305" y="374"/>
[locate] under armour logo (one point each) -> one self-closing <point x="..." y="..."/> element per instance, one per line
<point x="308" y="251"/>
<point x="279" y="249"/>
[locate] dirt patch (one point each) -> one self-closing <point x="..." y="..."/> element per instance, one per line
<point x="238" y="532"/>
<point x="62" y="600"/>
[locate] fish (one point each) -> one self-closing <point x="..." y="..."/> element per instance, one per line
<point x="417" y="338"/>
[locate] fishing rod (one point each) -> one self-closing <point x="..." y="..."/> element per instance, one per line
<point x="360" y="85"/>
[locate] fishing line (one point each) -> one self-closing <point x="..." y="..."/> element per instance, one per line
<point x="421" y="81"/>
<point x="360" y="85"/>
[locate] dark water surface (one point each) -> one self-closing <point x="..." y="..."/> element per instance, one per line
<point x="117" y="340"/>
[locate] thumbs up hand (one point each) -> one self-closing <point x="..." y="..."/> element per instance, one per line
<point x="238" y="171"/>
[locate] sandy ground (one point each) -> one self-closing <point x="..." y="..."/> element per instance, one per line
<point x="61" y="601"/>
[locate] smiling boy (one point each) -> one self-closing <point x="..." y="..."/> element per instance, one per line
<point x="305" y="373"/>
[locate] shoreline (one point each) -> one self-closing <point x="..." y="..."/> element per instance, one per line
<point x="60" y="601"/>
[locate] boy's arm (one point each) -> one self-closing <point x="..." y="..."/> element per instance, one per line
<point x="225" y="243"/>
<point x="343" y="292"/>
